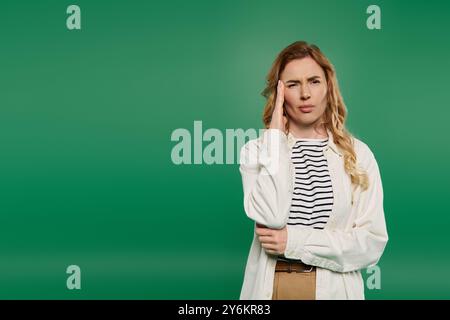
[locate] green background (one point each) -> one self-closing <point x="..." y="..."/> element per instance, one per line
<point x="86" y="118"/>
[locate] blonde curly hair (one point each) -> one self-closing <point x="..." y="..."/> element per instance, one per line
<point x="335" y="112"/>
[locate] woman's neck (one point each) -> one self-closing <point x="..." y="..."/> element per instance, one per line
<point x="308" y="133"/>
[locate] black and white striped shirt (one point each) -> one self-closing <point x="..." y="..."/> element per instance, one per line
<point x="312" y="198"/>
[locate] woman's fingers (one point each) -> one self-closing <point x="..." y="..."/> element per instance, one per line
<point x="280" y="97"/>
<point x="271" y="249"/>
<point x="266" y="239"/>
<point x="269" y="246"/>
<point x="278" y="119"/>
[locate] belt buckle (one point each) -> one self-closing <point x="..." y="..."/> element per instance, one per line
<point x="310" y="269"/>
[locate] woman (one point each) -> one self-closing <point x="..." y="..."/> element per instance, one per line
<point x="313" y="190"/>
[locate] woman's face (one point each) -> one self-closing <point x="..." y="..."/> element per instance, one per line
<point x="305" y="84"/>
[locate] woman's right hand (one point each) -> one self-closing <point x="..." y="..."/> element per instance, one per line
<point x="279" y="120"/>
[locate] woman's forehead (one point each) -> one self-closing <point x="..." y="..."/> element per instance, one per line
<point x="302" y="68"/>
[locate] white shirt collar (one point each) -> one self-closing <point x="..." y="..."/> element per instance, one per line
<point x="330" y="143"/>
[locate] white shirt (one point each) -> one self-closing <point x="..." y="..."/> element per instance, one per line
<point x="353" y="238"/>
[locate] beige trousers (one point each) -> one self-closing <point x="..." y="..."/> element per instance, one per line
<point x="294" y="285"/>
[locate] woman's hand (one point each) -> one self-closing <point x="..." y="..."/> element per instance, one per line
<point x="272" y="240"/>
<point x="279" y="120"/>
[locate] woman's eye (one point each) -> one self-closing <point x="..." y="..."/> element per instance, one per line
<point x="313" y="81"/>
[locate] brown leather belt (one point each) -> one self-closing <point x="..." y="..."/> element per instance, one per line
<point x="293" y="266"/>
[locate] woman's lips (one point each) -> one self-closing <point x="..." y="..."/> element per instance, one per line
<point x="306" y="109"/>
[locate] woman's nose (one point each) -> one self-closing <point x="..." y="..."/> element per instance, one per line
<point x="305" y="94"/>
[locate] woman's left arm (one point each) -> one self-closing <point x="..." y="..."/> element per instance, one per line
<point x="342" y="251"/>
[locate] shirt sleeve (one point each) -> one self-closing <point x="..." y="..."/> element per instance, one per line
<point x="341" y="251"/>
<point x="265" y="168"/>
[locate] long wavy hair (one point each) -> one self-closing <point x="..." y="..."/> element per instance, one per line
<point x="335" y="113"/>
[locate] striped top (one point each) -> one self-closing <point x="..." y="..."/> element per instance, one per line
<point x="312" y="198"/>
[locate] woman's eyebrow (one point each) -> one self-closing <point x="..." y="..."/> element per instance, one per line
<point x="298" y="81"/>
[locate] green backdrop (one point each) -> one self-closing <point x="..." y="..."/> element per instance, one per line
<point x="86" y="118"/>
